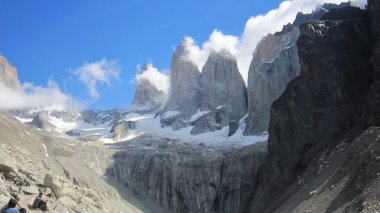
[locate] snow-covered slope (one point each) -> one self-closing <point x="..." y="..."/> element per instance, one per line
<point x="101" y="127"/>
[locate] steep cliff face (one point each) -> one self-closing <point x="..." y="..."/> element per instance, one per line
<point x="8" y="74"/>
<point x="187" y="178"/>
<point x="374" y="98"/>
<point x="184" y="82"/>
<point x="223" y="85"/>
<point x="322" y="104"/>
<point x="219" y="91"/>
<point x="275" y="62"/>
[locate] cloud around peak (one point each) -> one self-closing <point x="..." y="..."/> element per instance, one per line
<point x="151" y="74"/>
<point x="255" y="29"/>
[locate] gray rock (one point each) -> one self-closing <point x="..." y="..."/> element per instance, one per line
<point x="147" y="97"/>
<point x="184" y="82"/>
<point x="211" y="121"/>
<point x="30" y="189"/>
<point x="54" y="184"/>
<point x="184" y="178"/>
<point x="8" y="165"/>
<point x="41" y="121"/>
<point x="275" y="62"/>
<point x="223" y="85"/>
<point x="123" y="129"/>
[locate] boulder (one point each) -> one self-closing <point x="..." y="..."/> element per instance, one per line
<point x="54" y="184"/>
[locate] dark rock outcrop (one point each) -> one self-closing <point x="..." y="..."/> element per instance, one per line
<point x="187" y="178"/>
<point x="374" y="97"/>
<point x="326" y="101"/>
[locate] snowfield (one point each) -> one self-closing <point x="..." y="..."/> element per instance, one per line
<point x="149" y="124"/>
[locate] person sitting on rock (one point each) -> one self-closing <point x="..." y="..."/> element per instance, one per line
<point x="11" y="208"/>
<point x="17" y="198"/>
<point x="41" y="202"/>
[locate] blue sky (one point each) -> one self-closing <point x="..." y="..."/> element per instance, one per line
<point x="49" y="39"/>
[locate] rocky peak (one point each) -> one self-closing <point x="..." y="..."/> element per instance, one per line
<point x="147" y="96"/>
<point x="41" y="121"/>
<point x="274" y="64"/>
<point x="8" y="74"/>
<point x="184" y="82"/>
<point x="223" y="85"/>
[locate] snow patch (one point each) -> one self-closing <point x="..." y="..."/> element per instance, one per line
<point x="23" y="120"/>
<point x="170" y="114"/>
<point x="198" y="114"/>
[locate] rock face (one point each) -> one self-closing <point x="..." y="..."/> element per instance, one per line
<point x="123" y="129"/>
<point x="97" y="117"/>
<point x="223" y="85"/>
<point x="321" y="105"/>
<point x="210" y="121"/>
<point x="374" y="98"/>
<point x="147" y="97"/>
<point x="8" y="74"/>
<point x="184" y="82"/>
<point x="220" y="85"/>
<point x="184" y="178"/>
<point x="275" y="63"/>
<point x="41" y="121"/>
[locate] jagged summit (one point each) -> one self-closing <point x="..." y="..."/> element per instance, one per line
<point x="8" y="74"/>
<point x="184" y="82"/>
<point x="223" y="85"/>
<point x="149" y="96"/>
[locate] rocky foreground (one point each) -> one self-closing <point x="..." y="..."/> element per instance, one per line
<point x="69" y="173"/>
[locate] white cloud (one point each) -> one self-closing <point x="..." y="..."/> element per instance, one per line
<point x="155" y="77"/>
<point x="216" y="42"/>
<point x="31" y="96"/>
<point x="255" y="29"/>
<point x="103" y="72"/>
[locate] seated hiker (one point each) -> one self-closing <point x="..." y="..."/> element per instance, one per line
<point x="41" y="202"/>
<point x="17" y="198"/>
<point x="11" y="208"/>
